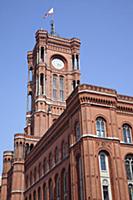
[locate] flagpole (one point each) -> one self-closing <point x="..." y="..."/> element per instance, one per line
<point x="52" y="25"/>
<point x="51" y="13"/>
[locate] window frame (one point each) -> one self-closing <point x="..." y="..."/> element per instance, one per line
<point x="77" y="131"/>
<point x="127" y="133"/>
<point x="101" y="127"/>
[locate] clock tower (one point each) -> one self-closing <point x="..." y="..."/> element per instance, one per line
<point x="53" y="73"/>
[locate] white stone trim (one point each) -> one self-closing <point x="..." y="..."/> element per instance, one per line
<point x="97" y="92"/>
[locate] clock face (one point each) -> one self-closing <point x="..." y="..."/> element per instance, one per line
<point x="57" y="63"/>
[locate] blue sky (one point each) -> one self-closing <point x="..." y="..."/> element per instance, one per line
<point x="105" y="28"/>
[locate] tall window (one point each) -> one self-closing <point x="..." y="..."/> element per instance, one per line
<point x="129" y="171"/>
<point x="44" y="166"/>
<point x="30" y="178"/>
<point x="77" y="61"/>
<point x="130" y="189"/>
<point x="39" y="170"/>
<point x="64" y="185"/>
<point x="105" y="176"/>
<point x="61" y="88"/>
<point x="51" y="194"/>
<point x="100" y="127"/>
<point x="44" y="192"/>
<point x="105" y="192"/>
<point x="63" y="150"/>
<point x="50" y="160"/>
<point x="103" y="162"/>
<point x="39" y="194"/>
<point x="42" y="84"/>
<point x="34" y="174"/>
<point x="127" y="133"/>
<point x="30" y="74"/>
<point x="56" y="155"/>
<point x="129" y="167"/>
<point x="42" y="54"/>
<point x="57" y="187"/>
<point x="73" y="61"/>
<point x="77" y="131"/>
<point x="29" y="106"/>
<point x="80" y="178"/>
<point x="34" y="195"/>
<point x="26" y="181"/>
<point x="54" y="87"/>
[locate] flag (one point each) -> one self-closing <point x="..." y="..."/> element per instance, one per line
<point x="49" y="13"/>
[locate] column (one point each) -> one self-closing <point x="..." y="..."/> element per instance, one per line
<point x="36" y="86"/>
<point x="44" y="85"/>
<point x="78" y="62"/>
<point x="75" y="62"/>
<point x="37" y="57"/>
<point x="45" y="54"/>
<point x="39" y="84"/>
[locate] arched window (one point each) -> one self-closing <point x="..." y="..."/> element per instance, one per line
<point x="127" y="133"/>
<point x="34" y="174"/>
<point x="105" y="176"/>
<point x="105" y="187"/>
<point x="72" y="61"/>
<point x="29" y="102"/>
<point x="100" y="127"/>
<point x="129" y="166"/>
<point x="26" y="181"/>
<point x="64" y="185"/>
<point x="44" y="165"/>
<point x="56" y="155"/>
<point x="73" y="84"/>
<point x="31" y="146"/>
<point x="57" y="187"/>
<point x="130" y="189"/>
<point x="30" y="74"/>
<point x="80" y="178"/>
<point x="30" y="178"/>
<point x="30" y="197"/>
<point x="103" y="162"/>
<point x="129" y="172"/>
<point x="44" y="192"/>
<point x="61" y="88"/>
<point x="54" y="87"/>
<point x="51" y="193"/>
<point x="39" y="194"/>
<point x="77" y="59"/>
<point x="77" y="131"/>
<point x="63" y="150"/>
<point x="50" y="160"/>
<point x="27" y="149"/>
<point x="42" y="84"/>
<point x="42" y="54"/>
<point x="34" y="195"/>
<point x="39" y="170"/>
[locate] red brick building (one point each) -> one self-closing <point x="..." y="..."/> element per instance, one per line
<point x="78" y="149"/>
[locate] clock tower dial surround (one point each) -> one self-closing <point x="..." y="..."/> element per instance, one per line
<point x="58" y="63"/>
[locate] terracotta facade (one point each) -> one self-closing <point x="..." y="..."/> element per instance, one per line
<point x="78" y="149"/>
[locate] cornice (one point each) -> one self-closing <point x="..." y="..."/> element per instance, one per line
<point x="101" y="97"/>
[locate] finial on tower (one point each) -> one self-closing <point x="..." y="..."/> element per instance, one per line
<point x="50" y="12"/>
